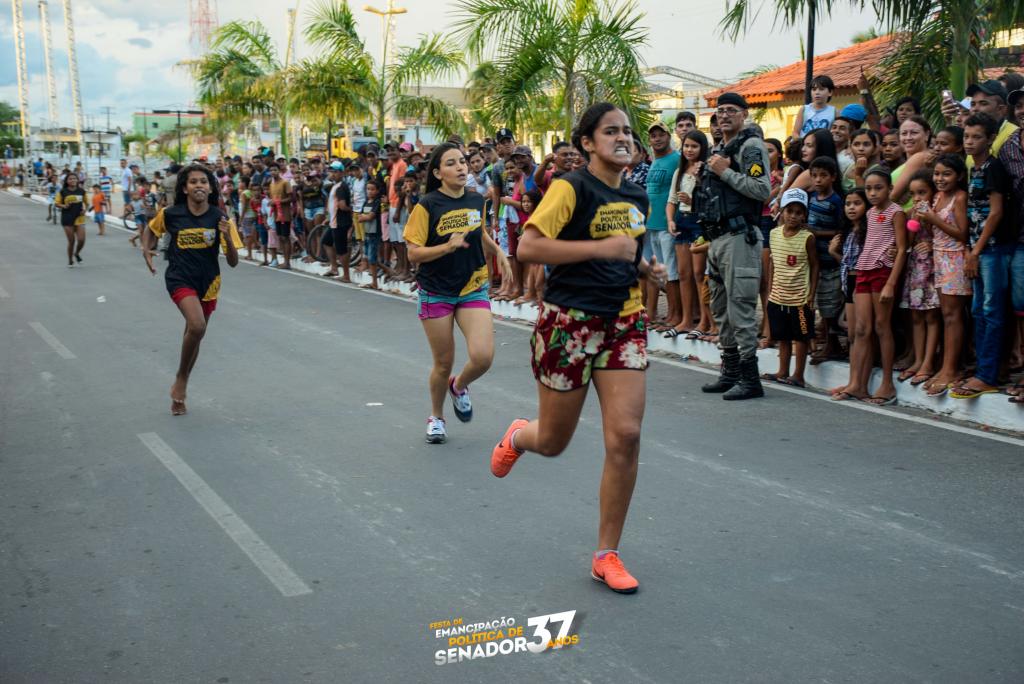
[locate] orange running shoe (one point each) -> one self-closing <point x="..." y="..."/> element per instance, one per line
<point x="504" y="455"/>
<point x="611" y="571"/>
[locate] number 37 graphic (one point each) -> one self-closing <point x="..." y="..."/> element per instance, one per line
<point x="542" y="634"/>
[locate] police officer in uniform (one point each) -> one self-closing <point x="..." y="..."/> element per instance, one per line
<point x="734" y="185"/>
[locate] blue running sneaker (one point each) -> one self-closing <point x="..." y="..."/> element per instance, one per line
<point x="460" y="402"/>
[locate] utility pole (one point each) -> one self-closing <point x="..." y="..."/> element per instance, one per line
<point x="387" y="37"/>
<point x="107" y="111"/>
<point x="809" y="75"/>
<point x="179" y="112"/>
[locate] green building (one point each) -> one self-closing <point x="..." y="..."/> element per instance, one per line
<point x="155" y="123"/>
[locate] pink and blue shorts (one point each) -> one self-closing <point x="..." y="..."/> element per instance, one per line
<point x="438" y="306"/>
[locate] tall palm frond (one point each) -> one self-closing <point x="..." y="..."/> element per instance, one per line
<point x="331" y="26"/>
<point x="739" y="14"/>
<point x="241" y="75"/>
<point x="576" y="50"/>
<point x="331" y="87"/>
<point x="432" y="58"/>
<point x="249" y="38"/>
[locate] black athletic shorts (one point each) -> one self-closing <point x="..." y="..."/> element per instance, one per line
<point x="790" y="323"/>
<point x="340" y="236"/>
<point x="284" y="229"/>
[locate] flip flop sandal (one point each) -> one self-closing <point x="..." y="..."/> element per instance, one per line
<point x="1016" y="399"/>
<point x="772" y="377"/>
<point x="939" y="392"/>
<point x="904" y="375"/>
<point x="924" y="377"/>
<point x="178" y="407"/>
<point x="970" y="393"/>
<point x="672" y="333"/>
<point x="846" y="396"/>
<point x="791" y="382"/>
<point x="695" y="334"/>
<point x="880" y="401"/>
<point x="329" y="275"/>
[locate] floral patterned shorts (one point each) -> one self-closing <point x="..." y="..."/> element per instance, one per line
<point x="568" y="345"/>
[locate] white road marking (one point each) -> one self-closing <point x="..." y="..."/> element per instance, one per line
<point x="54" y="343"/>
<point x="269" y="563"/>
<point x="3" y="293"/>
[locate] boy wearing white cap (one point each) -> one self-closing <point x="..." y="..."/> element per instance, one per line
<point x="792" y="276"/>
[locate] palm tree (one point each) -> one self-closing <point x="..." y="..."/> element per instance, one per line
<point x="478" y="90"/>
<point x="939" y="41"/>
<point x="347" y="80"/>
<point x="864" y="36"/>
<point x="575" y="52"/>
<point x="242" y="75"/>
<point x="430" y="59"/>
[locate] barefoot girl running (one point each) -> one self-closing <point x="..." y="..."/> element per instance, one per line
<point x="197" y="227"/>
<point x="588" y="227"/>
<point x="71" y="202"/>
<point x="445" y="237"/>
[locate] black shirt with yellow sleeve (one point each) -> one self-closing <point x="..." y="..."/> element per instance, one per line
<point x="431" y="222"/>
<point x="72" y="204"/>
<point x="192" y="250"/>
<point x="578" y="206"/>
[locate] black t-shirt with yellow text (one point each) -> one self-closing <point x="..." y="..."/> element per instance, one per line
<point x="578" y="206"/>
<point x="72" y="212"/>
<point x="192" y="250"/>
<point x="431" y="222"/>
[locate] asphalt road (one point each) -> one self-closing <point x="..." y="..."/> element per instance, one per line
<point x="295" y="527"/>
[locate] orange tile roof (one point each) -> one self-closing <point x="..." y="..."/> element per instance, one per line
<point x="995" y="72"/>
<point x="843" y="66"/>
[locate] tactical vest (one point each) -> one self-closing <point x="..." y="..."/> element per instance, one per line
<point x="717" y="205"/>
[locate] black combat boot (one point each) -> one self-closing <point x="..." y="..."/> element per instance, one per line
<point x="728" y="372"/>
<point x="749" y="385"/>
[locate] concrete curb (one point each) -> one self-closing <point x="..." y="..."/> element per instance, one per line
<point x="990" y="410"/>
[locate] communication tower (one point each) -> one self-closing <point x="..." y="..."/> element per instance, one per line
<point x="51" y="83"/>
<point x="76" y="93"/>
<point x="22" y="68"/>
<point x="202" y="21"/>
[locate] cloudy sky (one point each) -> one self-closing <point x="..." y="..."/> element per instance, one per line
<point x="128" y="51"/>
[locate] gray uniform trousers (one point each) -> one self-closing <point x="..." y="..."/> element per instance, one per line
<point x="735" y="280"/>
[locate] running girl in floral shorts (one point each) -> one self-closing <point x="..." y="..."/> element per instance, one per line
<point x="588" y="227"/>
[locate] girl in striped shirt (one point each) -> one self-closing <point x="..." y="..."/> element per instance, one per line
<point x="879" y="269"/>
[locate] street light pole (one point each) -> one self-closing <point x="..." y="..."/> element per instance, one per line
<point x="386" y="26"/>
